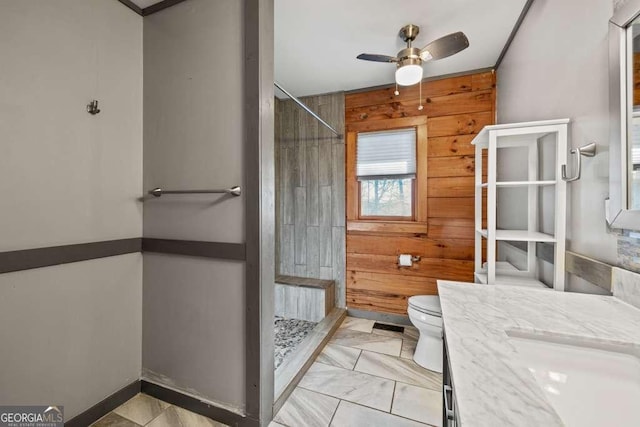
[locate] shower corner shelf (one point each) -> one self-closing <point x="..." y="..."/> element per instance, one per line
<point x="525" y="136"/>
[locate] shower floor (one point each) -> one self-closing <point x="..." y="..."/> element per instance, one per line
<point x="288" y="334"/>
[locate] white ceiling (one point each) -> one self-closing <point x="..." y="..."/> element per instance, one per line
<point x="145" y="3"/>
<point x="317" y="41"/>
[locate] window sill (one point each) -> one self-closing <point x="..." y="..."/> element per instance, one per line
<point x="406" y="227"/>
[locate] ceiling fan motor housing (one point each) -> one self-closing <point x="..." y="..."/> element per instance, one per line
<point x="409" y="56"/>
<point x="408" y="33"/>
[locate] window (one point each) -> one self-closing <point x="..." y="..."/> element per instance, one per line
<point x="386" y="197"/>
<point x="386" y="176"/>
<point x="386" y="170"/>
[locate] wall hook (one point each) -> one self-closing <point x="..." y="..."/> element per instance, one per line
<point x="92" y="107"/>
<point x="588" y="150"/>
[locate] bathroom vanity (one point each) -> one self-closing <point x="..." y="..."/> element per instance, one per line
<point x="528" y="357"/>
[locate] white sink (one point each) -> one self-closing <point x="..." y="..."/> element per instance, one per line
<point x="588" y="385"/>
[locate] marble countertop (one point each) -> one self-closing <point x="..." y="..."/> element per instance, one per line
<point x="491" y="388"/>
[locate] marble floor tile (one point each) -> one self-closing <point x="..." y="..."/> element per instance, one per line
<point x="362" y="325"/>
<point x="386" y="333"/>
<point x="349" y="385"/>
<point x="114" y="420"/>
<point x="141" y="408"/>
<point x="337" y="355"/>
<point x="351" y="415"/>
<point x="275" y="424"/>
<point x="403" y="370"/>
<point x="307" y="408"/>
<point x="418" y="404"/>
<point x="409" y="333"/>
<point x="178" y="417"/>
<point x="408" y="348"/>
<point x="364" y="341"/>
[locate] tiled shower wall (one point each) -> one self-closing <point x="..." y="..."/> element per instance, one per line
<point x="310" y="192"/>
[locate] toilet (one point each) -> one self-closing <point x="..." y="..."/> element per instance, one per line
<point x="426" y="315"/>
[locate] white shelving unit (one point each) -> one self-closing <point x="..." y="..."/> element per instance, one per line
<point x="523" y="135"/>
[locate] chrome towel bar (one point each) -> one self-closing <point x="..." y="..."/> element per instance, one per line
<point x="234" y="191"/>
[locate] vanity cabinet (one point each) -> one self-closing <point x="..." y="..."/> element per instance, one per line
<point x="449" y="406"/>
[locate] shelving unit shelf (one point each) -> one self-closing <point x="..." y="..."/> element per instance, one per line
<point x="488" y="144"/>
<point x="519" y="236"/>
<point x="518" y="183"/>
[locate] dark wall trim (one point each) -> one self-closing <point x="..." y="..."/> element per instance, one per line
<point x="516" y="27"/>
<point x="159" y="6"/>
<point x="101" y="409"/>
<point x="233" y="251"/>
<point x="131" y="5"/>
<point x="28" y="259"/>
<point x="46" y="257"/>
<point x="151" y="9"/>
<point x="195" y="405"/>
<point x="189" y="403"/>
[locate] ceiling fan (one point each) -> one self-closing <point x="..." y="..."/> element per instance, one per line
<point x="409" y="60"/>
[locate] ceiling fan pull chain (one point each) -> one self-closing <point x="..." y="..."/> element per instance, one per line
<point x="396" y="93"/>
<point x="420" y="107"/>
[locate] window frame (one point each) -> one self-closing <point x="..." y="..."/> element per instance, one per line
<point x="417" y="223"/>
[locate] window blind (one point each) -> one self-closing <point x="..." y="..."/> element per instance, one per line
<point x="387" y="154"/>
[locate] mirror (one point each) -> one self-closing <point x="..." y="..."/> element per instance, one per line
<point x="623" y="208"/>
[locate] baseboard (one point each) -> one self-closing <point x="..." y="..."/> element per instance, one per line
<point x="397" y="319"/>
<point x="101" y="409"/>
<point x="198" y="406"/>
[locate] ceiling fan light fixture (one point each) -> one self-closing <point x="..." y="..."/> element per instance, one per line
<point x="408" y="75"/>
<point x="409" y="60"/>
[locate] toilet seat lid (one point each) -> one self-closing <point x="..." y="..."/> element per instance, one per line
<point x="429" y="304"/>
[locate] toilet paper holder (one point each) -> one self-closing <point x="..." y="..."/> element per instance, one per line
<point x="414" y="258"/>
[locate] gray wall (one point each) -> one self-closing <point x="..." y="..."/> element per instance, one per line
<point x="71" y="334"/>
<point x="310" y="195"/>
<point x="557" y="67"/>
<point x="193" y="138"/>
<point x="68" y="177"/>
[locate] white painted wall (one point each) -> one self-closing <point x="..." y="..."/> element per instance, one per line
<point x="556" y="67"/>
<point x="68" y="177"/>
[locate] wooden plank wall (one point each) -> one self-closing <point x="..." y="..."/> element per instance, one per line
<point x="457" y="109"/>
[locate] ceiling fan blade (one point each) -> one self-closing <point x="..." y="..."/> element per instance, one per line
<point x="377" y="58"/>
<point x="445" y="46"/>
